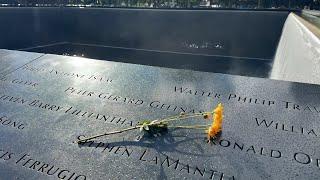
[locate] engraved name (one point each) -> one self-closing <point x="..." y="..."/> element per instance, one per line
<point x="39" y="166"/>
<point x="270" y="124"/>
<point x="243" y="99"/>
<point x="147" y="156"/>
<point x="75" y="75"/>
<point x="20" y="82"/>
<point x="8" y="122"/>
<point x="70" y="110"/>
<point x="154" y="104"/>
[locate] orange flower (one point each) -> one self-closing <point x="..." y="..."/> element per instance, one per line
<point x="216" y="126"/>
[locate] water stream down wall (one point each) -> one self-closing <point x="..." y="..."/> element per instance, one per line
<point x="298" y="54"/>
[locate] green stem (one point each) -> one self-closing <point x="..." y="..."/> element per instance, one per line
<point x="186" y="116"/>
<point x="154" y="123"/>
<point x="191" y="127"/>
<point x="108" y="133"/>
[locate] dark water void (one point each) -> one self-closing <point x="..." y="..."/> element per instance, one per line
<point x="226" y="41"/>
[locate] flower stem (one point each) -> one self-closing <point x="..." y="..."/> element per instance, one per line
<point x="155" y="123"/>
<point x="106" y="134"/>
<point x="182" y="117"/>
<point x="191" y="127"/>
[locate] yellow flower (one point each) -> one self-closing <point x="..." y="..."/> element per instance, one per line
<point x="216" y="126"/>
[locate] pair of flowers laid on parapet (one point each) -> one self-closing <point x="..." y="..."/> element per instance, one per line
<point x="159" y="125"/>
